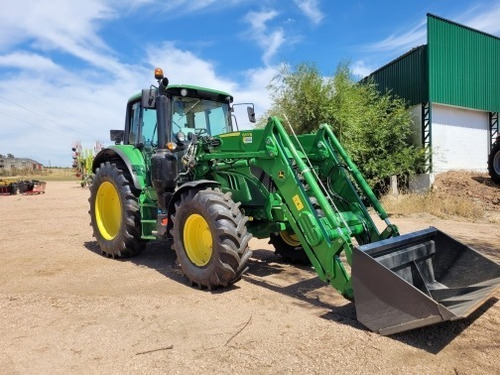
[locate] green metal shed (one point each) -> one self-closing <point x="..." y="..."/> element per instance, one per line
<point x="452" y="86"/>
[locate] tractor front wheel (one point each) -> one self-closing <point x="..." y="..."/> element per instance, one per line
<point x="494" y="163"/>
<point x="114" y="212"/>
<point x="288" y="246"/>
<point x="210" y="238"/>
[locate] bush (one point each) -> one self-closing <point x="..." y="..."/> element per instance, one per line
<point x="374" y="128"/>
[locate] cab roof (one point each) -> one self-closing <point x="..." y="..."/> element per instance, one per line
<point x="194" y="91"/>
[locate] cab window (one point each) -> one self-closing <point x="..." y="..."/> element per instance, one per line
<point x="150" y="128"/>
<point x="199" y="116"/>
<point x="135" y="116"/>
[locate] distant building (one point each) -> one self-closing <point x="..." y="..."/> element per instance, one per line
<point x="452" y="85"/>
<point x="9" y="164"/>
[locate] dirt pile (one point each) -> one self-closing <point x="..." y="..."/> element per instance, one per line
<point x="471" y="185"/>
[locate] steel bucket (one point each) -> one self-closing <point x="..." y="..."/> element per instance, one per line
<point x="419" y="279"/>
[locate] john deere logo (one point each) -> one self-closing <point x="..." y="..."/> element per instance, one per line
<point x="281" y="175"/>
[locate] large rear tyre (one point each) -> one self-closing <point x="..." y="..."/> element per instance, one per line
<point x="288" y="246"/>
<point x="114" y="212"/>
<point x="494" y="163"/>
<point x="210" y="238"/>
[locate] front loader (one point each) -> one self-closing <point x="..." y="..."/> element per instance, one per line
<point x="181" y="171"/>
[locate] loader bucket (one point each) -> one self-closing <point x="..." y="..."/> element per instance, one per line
<point x="419" y="279"/>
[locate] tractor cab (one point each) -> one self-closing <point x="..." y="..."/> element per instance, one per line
<point x="183" y="112"/>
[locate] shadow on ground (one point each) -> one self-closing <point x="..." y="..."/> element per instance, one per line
<point x="160" y="257"/>
<point x="435" y="338"/>
<point x="157" y="255"/>
<point x="432" y="339"/>
<point x="308" y="290"/>
<point x="485" y="181"/>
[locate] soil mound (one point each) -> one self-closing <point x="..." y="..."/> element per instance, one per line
<point x="478" y="187"/>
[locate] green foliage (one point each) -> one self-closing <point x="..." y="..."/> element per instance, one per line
<point x="374" y="128"/>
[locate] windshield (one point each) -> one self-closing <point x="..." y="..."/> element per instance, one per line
<point x="199" y="116"/>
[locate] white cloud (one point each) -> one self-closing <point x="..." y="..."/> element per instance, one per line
<point x="311" y="10"/>
<point x="482" y="18"/>
<point x="50" y="23"/>
<point x="59" y="25"/>
<point x="269" y="41"/>
<point x="360" y="70"/>
<point x="177" y="8"/>
<point x="254" y="90"/>
<point x="184" y="67"/>
<point x="272" y="44"/>
<point x="27" y="60"/>
<point x="52" y="107"/>
<point x="49" y="111"/>
<point x="402" y="42"/>
<point x="46" y="106"/>
<point x="257" y="20"/>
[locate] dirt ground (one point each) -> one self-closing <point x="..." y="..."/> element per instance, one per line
<point x="64" y="308"/>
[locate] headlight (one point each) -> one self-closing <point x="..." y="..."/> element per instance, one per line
<point x="171" y="146"/>
<point x="181" y="137"/>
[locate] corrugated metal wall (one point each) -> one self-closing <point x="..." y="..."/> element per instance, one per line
<point x="407" y="76"/>
<point x="464" y="66"/>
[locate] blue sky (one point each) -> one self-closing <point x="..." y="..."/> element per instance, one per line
<point x="67" y="67"/>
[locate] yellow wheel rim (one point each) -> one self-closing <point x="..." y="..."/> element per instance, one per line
<point x="197" y="240"/>
<point x="290" y="238"/>
<point x="108" y="210"/>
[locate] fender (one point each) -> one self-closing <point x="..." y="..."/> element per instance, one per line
<point x="130" y="156"/>
<point x="198" y="184"/>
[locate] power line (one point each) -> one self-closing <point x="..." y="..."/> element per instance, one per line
<point x="34" y="124"/>
<point x="43" y="101"/>
<point x="45" y="126"/>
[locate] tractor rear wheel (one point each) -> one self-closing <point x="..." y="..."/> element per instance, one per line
<point x="210" y="238"/>
<point x="114" y="212"/>
<point x="288" y="246"/>
<point x="494" y="163"/>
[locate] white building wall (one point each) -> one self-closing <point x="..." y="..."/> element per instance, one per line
<point x="459" y="139"/>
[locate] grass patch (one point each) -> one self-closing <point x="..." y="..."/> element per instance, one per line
<point x="48" y="174"/>
<point x="59" y="174"/>
<point x="442" y="207"/>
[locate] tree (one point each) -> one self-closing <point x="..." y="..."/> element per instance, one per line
<point x="374" y="128"/>
<point x="10" y="156"/>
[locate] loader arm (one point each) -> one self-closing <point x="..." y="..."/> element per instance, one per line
<point x="307" y="185"/>
<point x="324" y="216"/>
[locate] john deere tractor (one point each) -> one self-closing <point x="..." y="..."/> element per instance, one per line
<point x="181" y="171"/>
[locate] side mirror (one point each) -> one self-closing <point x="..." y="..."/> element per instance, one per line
<point x="251" y="114"/>
<point x="148" y="100"/>
<point x="116" y="136"/>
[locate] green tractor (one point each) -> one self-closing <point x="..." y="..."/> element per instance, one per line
<point x="182" y="172"/>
